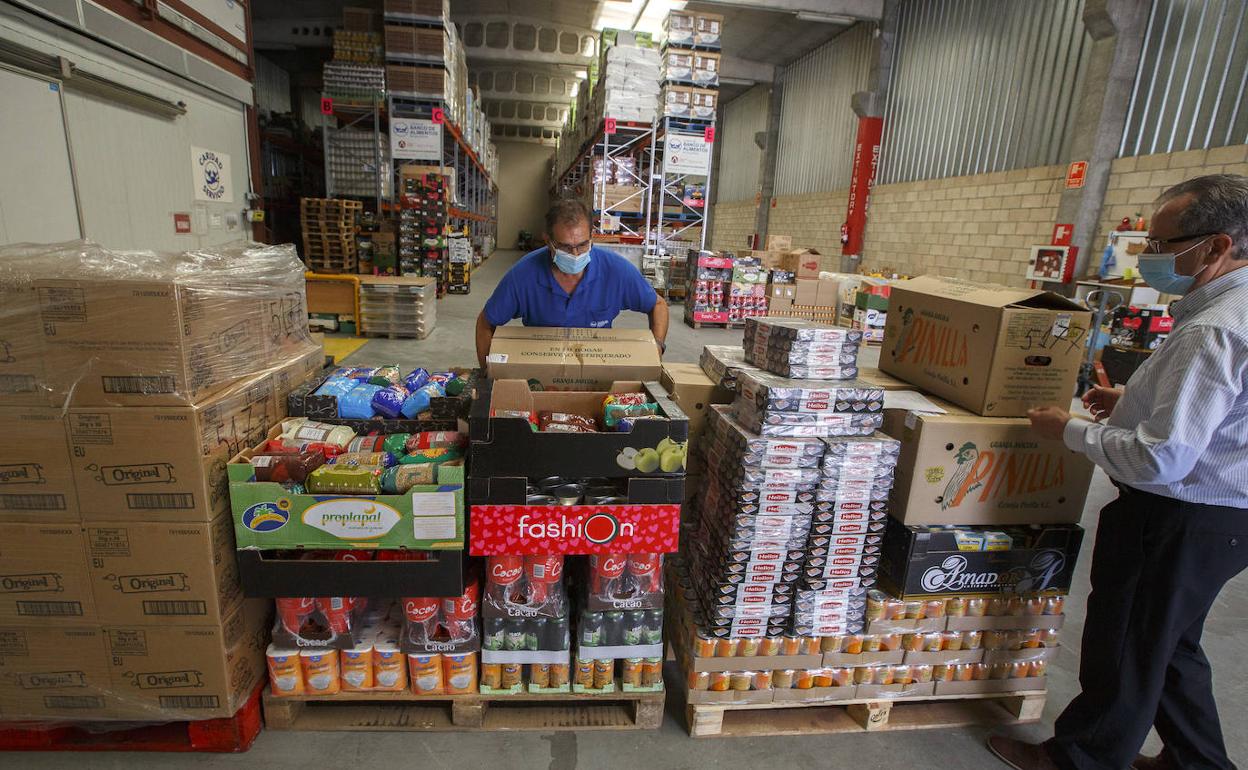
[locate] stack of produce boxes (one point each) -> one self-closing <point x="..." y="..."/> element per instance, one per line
<point x="380" y="463"/>
<point x="723" y="289"/>
<point x="422" y="226"/>
<point x="129" y="382"/>
<point x="459" y="265"/>
<point x="564" y="484"/>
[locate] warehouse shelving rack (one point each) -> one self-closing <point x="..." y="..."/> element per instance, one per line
<point x="622" y="220"/>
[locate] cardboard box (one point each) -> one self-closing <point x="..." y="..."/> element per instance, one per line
<point x="693" y="392"/>
<point x="188" y="672"/>
<point x="704" y="103"/>
<point x="779" y="242"/>
<point x="817" y="694"/>
<point x="165" y="463"/>
<point x="708" y="28"/>
<point x="829" y="293"/>
<point x="36" y="475"/>
<point x="778" y="306"/>
<point x="43" y="575"/>
<point x="994" y="350"/>
<point x="22" y="378"/>
<point x="960" y="468"/>
<point x="54" y="672"/>
<point x="804" y="263"/>
<point x="162" y="343"/>
<point x="806" y="292"/>
<point x="918" y="562"/>
<point x="573" y="359"/>
<point x="1027" y="684"/>
<point x="180" y="574"/>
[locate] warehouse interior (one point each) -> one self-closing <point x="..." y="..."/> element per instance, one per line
<point x="867" y="141"/>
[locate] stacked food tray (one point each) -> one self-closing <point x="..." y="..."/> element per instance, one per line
<point x="329" y="227"/>
<point x="398" y="307"/>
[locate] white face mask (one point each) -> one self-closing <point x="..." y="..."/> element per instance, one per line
<point x="1159" y="272"/>
<point x="570" y="263"/>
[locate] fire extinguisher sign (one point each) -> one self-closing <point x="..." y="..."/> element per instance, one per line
<point x="499" y="530"/>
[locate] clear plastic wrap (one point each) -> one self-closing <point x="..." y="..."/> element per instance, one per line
<point x="96" y="327"/>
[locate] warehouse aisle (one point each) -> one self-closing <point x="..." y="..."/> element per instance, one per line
<point x="670" y="747"/>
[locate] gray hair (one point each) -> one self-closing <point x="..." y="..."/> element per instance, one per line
<point x="1219" y="205"/>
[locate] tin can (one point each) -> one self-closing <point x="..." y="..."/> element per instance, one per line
<point x="981" y="671"/>
<point x="1020" y="669"/>
<point x="357" y="667"/>
<point x="703" y="646"/>
<point x="719" y="681"/>
<point x="630" y="672"/>
<point x="559" y="674"/>
<point x="539" y="675"/>
<point x="791" y="645"/>
<point x="459" y="672"/>
<point x="540" y="500"/>
<point x="285" y="674"/>
<point x="748" y="647"/>
<point x="1032" y="639"/>
<point x="871" y="643"/>
<point x="890" y="642"/>
<point x="964" y="672"/>
<point x="803" y="679"/>
<point x="883" y="675"/>
<point x="875" y="604"/>
<point x="741" y="681"/>
<point x="914" y="610"/>
<point x="492" y="675"/>
<point x="726" y="647"/>
<point x="999" y="671"/>
<point x="863" y="675"/>
<point x="951" y="640"/>
<point x="854" y="644"/>
<point x="998" y="607"/>
<point x="604" y="673"/>
<point x="955" y="606"/>
<point x="912" y="642"/>
<point x="894" y="609"/>
<point x="320" y="671"/>
<point x="389" y="666"/>
<point x="761" y="680"/>
<point x="934" y="608"/>
<point x="585" y="673"/>
<point x="769" y="646"/>
<point x="942" y="672"/>
<point x="651" y="672"/>
<point x="510" y="675"/>
<point x="1048" y="637"/>
<point x="903" y="674"/>
<point x="699" y="680"/>
<point x="976" y="607"/>
<point x="568" y="494"/>
<point x="426" y="674"/>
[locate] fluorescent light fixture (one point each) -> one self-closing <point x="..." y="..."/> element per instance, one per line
<point x="825" y="18"/>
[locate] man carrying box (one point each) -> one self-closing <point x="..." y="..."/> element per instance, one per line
<point x="569" y="283"/>
<point x="1175" y="443"/>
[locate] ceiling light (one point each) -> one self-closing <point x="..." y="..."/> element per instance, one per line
<point x="825" y="18"/>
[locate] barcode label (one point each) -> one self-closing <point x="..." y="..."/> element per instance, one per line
<point x="32" y="502"/>
<point x="17" y="383"/>
<point x="49" y="609"/>
<point x="175" y="608"/>
<point x="138" y="384"/>
<point x="73" y="701"/>
<point x="189" y="701"/>
<point x="147" y="501"/>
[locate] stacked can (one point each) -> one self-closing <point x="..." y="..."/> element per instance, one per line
<point x="774" y="406"/>
<point x="843" y="549"/>
<point x="621" y="619"/>
<point x="794" y="347"/>
<point x="525" y="625"/>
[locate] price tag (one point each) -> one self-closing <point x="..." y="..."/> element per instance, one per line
<point x="709" y="134"/>
<point x="327" y="106"/>
<point x="438" y="115"/>
<point x="608" y="125"/>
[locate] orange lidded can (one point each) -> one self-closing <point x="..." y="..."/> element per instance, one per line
<point x="285" y="673"/>
<point x="459" y="673"/>
<point x="320" y="671"/>
<point x="426" y="674"/>
<point x="389" y="666"/>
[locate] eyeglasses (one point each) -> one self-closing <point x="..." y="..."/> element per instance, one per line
<point x="575" y="250"/>
<point x="1156" y="245"/>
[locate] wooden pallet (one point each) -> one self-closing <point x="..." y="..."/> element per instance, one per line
<point x="389" y="712"/>
<point x="737" y="720"/>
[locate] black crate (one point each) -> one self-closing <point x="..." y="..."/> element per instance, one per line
<point x="917" y="561"/>
<point x="443" y="413"/>
<point x="508" y="446"/>
<point x="264" y="576"/>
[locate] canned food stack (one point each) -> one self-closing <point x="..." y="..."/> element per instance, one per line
<point x="795" y="347"/>
<point x="621" y="619"/>
<point x="525" y="614"/>
<point x="843" y="550"/>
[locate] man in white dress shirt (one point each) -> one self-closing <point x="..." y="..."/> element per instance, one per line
<point x="1175" y="443"/>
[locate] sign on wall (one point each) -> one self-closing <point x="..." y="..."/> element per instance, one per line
<point x="687" y="154"/>
<point x="414" y="139"/>
<point x="210" y="171"/>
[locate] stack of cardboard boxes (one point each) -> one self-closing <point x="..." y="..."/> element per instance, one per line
<point x="128" y="383"/>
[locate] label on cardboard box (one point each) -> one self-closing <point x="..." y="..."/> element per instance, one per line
<point x="53" y="672"/>
<point x="43" y="575"/>
<point x="574" y="359"/>
<point x="36" y="475"/>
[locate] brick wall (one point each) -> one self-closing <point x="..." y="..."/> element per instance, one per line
<point x="813" y="221"/>
<point x="1135" y="182"/>
<point x="978" y="227"/>
<point x="731" y="224"/>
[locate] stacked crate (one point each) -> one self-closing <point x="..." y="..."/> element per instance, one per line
<point x="329" y="227"/>
<point x="422" y="227"/>
<point x="398" y="308"/>
<point x="459" y="265"/>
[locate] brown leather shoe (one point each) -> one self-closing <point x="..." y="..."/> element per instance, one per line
<point x="1021" y="755"/>
<point x="1159" y="762"/>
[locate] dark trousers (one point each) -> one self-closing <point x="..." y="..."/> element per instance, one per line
<point x="1157" y="567"/>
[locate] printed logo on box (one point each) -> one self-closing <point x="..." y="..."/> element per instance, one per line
<point x="575" y="529"/>
<point x="351" y="519"/>
<point x="33" y="583"/>
<point x="24" y="473"/>
<point x="47" y="680"/>
<point x="266" y="517"/>
<point x="165" y="680"/>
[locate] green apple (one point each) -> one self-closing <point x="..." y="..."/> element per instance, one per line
<point x="671" y="460"/>
<point x="664" y="445"/>
<point x="647" y="460"/>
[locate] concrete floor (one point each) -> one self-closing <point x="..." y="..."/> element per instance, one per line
<point x="952" y="749"/>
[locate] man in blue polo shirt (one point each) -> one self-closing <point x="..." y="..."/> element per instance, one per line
<point x="570" y="283"/>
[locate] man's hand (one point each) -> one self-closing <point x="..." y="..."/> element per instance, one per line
<point x="1049" y="421"/>
<point x="1100" y="401"/>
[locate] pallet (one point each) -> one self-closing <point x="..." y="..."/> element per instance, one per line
<point x="226" y="735"/>
<point x="390" y="712"/>
<point x="737" y="720"/>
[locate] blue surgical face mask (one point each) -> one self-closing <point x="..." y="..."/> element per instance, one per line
<point x="570" y="263"/>
<point x="1158" y="271"/>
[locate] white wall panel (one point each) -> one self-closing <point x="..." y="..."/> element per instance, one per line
<point x="817" y="125"/>
<point x="740" y="157"/>
<point x="272" y="87"/>
<point x="36" y="187"/>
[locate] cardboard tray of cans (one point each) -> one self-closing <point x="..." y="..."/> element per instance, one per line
<point x="508" y="446"/>
<point x="264" y="574"/>
<point x="920" y="561"/>
<point x="444" y="411"/>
